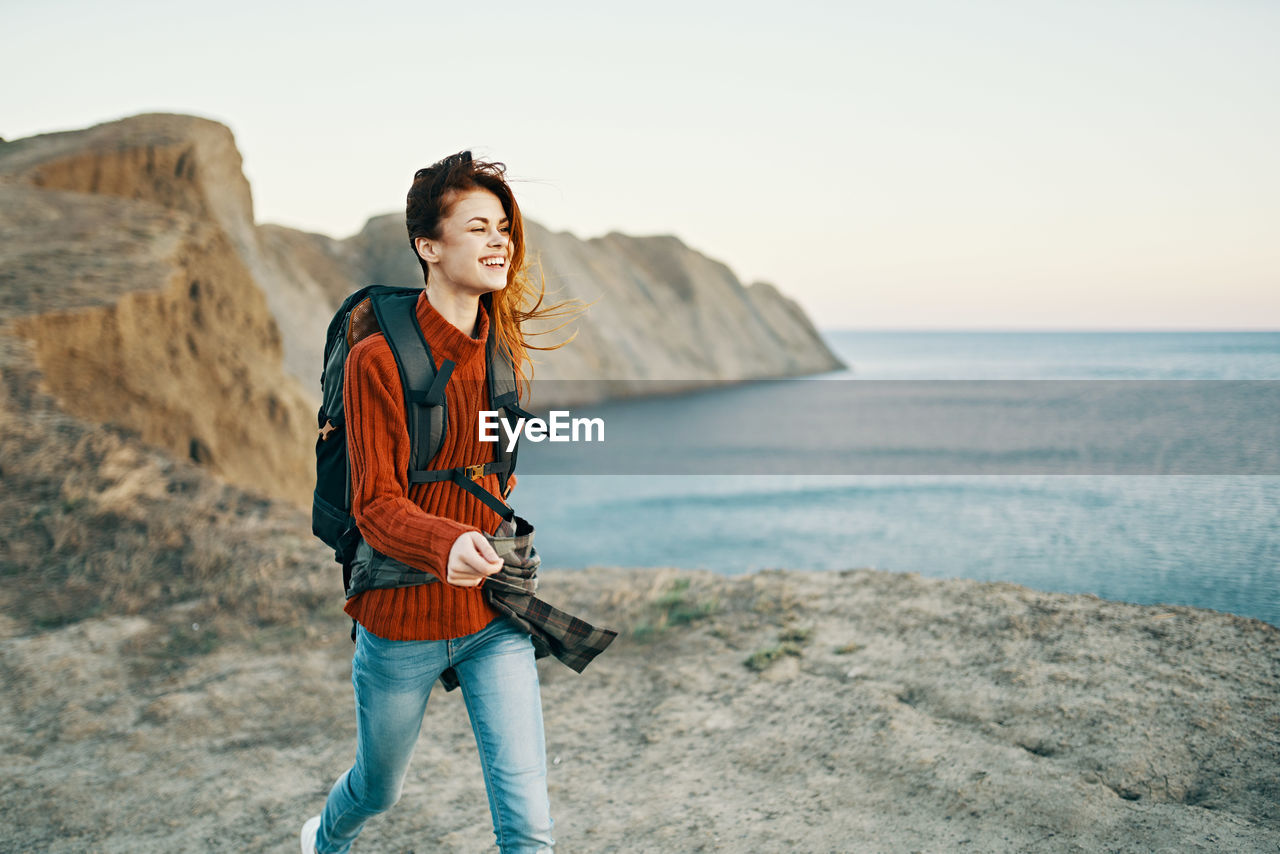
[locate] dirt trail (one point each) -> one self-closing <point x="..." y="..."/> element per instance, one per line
<point x="857" y="711"/>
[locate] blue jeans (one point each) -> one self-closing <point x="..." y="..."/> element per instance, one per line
<point x="499" y="682"/>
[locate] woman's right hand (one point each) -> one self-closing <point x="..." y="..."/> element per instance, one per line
<point x="471" y="560"/>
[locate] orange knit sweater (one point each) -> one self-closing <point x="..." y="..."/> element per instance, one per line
<point x="418" y="524"/>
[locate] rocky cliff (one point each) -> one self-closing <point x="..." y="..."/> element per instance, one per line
<point x="659" y="310"/>
<point x="128" y="257"/>
<point x="151" y="299"/>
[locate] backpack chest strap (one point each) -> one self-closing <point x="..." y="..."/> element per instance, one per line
<point x="466" y="477"/>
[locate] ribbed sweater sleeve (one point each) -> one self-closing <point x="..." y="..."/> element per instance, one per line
<point x="378" y="447"/>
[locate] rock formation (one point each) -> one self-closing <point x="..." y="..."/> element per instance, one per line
<point x="129" y="256"/>
<point x="152" y="299"/>
<point x="659" y="311"/>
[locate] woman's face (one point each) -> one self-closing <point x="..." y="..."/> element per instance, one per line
<point x="473" y="251"/>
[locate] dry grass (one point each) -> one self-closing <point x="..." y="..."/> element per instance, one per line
<point x="94" y="523"/>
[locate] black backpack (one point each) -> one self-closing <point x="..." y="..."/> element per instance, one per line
<point x="392" y="311"/>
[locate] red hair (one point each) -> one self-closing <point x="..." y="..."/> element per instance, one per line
<point x="430" y="199"/>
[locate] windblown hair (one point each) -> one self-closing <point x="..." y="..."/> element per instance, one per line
<point x="430" y="199"/>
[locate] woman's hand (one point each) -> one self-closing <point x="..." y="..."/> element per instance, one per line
<point x="471" y="560"/>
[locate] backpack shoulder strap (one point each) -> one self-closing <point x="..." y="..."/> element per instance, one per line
<point x="502" y="375"/>
<point x="424" y="400"/>
<point x="426" y="407"/>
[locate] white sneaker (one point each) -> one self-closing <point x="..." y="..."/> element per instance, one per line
<point x="308" y="835"/>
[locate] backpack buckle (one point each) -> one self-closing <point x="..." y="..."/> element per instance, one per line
<point x="474" y="472"/>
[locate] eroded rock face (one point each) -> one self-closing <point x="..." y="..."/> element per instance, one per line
<point x="659" y="310"/>
<point x="180" y="163"/>
<point x="194" y="368"/>
<point x="127" y="269"/>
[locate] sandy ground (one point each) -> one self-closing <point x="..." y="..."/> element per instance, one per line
<point x="855" y="711"/>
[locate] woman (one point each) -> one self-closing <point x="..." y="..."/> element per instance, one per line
<point x="467" y="231"/>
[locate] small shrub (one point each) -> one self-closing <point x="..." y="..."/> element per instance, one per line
<point x="672" y="607"/>
<point x="673" y="595"/>
<point x="791" y="641"/>
<point x="762" y="658"/>
<point x="795" y="634"/>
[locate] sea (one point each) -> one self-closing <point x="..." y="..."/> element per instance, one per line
<point x="1206" y="540"/>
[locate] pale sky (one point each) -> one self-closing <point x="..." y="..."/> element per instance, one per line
<point x="988" y="165"/>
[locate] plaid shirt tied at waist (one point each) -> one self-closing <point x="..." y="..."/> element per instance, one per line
<point x="510" y="591"/>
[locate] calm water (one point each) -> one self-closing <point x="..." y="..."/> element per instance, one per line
<point x="1210" y="541"/>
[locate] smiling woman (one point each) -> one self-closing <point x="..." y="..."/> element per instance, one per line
<point x="467" y="232"/>
<point x="436" y="619"/>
